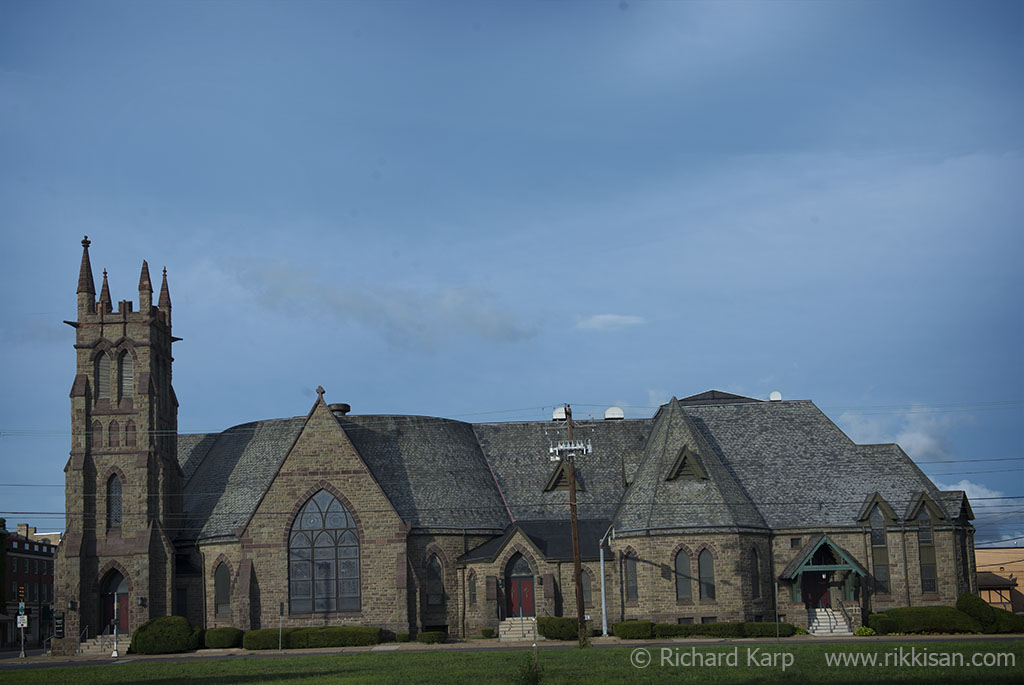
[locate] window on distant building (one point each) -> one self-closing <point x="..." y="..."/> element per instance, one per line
<point x="926" y="551"/>
<point x="706" y="570"/>
<point x="879" y="551"/>
<point x="323" y="554"/>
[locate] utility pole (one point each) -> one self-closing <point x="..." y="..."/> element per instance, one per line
<point x="570" y="449"/>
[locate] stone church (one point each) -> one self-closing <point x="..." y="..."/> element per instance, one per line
<point x="717" y="508"/>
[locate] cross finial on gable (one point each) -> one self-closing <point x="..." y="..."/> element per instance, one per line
<point x="320" y="392"/>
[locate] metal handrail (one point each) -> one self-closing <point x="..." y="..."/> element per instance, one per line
<point x="83" y="634"/>
<point x="849" y="619"/>
<point x="105" y="637"/>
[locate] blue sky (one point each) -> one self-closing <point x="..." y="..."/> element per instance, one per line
<point x="483" y="210"/>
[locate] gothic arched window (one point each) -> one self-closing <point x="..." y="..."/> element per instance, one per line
<point x="114" y="434"/>
<point x="323" y="554"/>
<point x="114" y="501"/>
<point x="435" y="582"/>
<point x="472" y="589"/>
<point x="706" y="569"/>
<point x="222" y="591"/>
<point x="129" y="434"/>
<point x="125" y="375"/>
<point x="102" y="368"/>
<point x="683" y="589"/>
<point x="755" y="574"/>
<point x="97" y="434"/>
<point x="632" y="588"/>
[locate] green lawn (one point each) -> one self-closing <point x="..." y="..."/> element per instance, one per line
<point x="806" y="663"/>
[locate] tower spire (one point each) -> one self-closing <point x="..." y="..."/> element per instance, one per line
<point x="85" y="282"/>
<point x="165" y="294"/>
<point x="145" y="289"/>
<point x="105" y="303"/>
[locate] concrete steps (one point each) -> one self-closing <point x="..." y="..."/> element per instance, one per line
<point x="104" y="645"/>
<point x="518" y="630"/>
<point x="827" y="623"/>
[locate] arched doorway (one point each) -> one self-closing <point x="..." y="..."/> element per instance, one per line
<point x="519" y="587"/>
<point x="815" y="583"/>
<point x="114" y="591"/>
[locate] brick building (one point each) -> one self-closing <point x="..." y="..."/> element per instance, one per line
<point x="27" y="571"/>
<point x="413" y="523"/>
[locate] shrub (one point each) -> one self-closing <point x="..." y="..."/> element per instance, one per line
<point x="930" y="620"/>
<point x="223" y="638"/>
<point x="165" y="635"/>
<point x="799" y="631"/>
<point x="633" y="630"/>
<point x="432" y="637"/>
<point x="487" y="632"/>
<point x="596" y="632"/>
<point x="883" y="624"/>
<point x="558" y="628"/>
<point x="992" y="619"/>
<point x="528" y="673"/>
<point x="332" y="636"/>
<point x="765" y="629"/>
<point x="197" y="638"/>
<point x="265" y="638"/>
<point x="864" y="631"/>
<point x="402" y="637"/>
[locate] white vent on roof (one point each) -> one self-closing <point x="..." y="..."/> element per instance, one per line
<point x="558" y="414"/>
<point x="776" y="396"/>
<point x="613" y="414"/>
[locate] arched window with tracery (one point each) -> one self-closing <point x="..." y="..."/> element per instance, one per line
<point x="323" y="555"/>
<point x="755" y="574"/>
<point x="97" y="434"/>
<point x="114" y="501"/>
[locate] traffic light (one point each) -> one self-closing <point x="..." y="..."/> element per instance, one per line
<point x="21" y="593"/>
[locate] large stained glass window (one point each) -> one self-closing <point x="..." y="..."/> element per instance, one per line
<point x="323" y="556"/>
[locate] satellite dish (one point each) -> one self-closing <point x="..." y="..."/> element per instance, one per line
<point x="776" y="396"/>
<point x="614" y="414"/>
<point x="558" y="414"/>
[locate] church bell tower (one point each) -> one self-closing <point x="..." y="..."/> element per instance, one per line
<point x="123" y="483"/>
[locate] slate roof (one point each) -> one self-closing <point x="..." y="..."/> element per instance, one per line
<point x="552" y="538"/>
<point x="653" y="502"/>
<point x="518" y="454"/>
<point x="225" y="484"/>
<point x="431" y="469"/>
<point x="769" y="465"/>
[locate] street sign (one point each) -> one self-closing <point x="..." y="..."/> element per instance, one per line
<point x="58" y="624"/>
<point x="21" y="608"/>
<point x="23" y="621"/>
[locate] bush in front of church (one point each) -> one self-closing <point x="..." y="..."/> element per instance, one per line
<point x="166" y="635"/>
<point x="333" y="636"/>
<point x="266" y="638"/>
<point x="558" y="627"/>
<point x="223" y="638"/>
<point x="992" y="619"/>
<point x="432" y="637"/>
<point x="633" y="630"/>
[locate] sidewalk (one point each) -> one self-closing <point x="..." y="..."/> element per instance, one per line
<point x="35" y="657"/>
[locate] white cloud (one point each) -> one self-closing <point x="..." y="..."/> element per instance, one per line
<point x="609" y="322"/>
<point x="924" y="436"/>
<point x="975" y="491"/>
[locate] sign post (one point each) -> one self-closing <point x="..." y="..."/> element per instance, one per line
<point x="22" y="619"/>
<point x="113" y="655"/>
<point x="280" y="627"/>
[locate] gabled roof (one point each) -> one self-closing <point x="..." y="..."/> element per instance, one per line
<point x="653" y="503"/>
<point x="714" y="397"/>
<point x="559" y="479"/>
<point x="991" y="581"/>
<point x="876" y="500"/>
<point x="806" y="552"/>
<point x="923" y="499"/>
<point x="552" y="538"/>
<point x="956" y="503"/>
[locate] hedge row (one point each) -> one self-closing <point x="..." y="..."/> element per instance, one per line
<point x="432" y="637"/>
<point x="725" y="629"/>
<point x="223" y="638"/>
<point x="301" y="638"/>
<point x="923" y="620"/>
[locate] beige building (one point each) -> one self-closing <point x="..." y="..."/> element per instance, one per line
<point x="999" y="573"/>
<point x="717" y="508"/>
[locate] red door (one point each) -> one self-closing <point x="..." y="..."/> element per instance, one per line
<point x="520" y="596"/>
<point x="122" y="612"/>
<point x="815" y="591"/>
